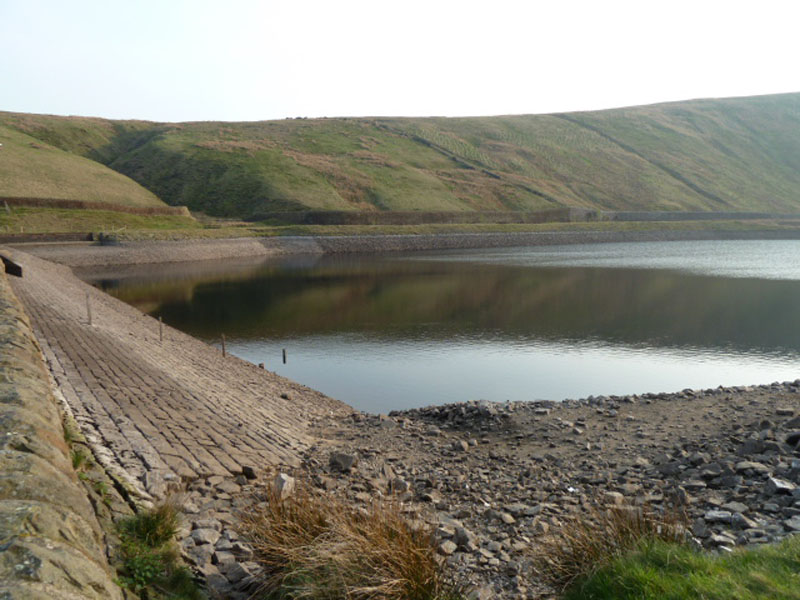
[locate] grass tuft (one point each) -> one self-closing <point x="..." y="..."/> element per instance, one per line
<point x="314" y="546"/>
<point x="587" y="543"/>
<point x="150" y="560"/>
<point x="80" y="459"/>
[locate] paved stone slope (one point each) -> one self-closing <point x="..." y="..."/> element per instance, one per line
<point x="160" y="411"/>
<point x="51" y="545"/>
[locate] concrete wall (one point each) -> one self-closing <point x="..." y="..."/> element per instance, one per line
<point x="51" y="545"/>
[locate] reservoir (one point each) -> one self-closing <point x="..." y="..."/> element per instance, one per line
<point x="392" y="331"/>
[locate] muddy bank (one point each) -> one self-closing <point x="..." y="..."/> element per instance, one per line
<point x="148" y="252"/>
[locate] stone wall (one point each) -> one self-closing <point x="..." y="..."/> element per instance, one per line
<point x="51" y="545"/>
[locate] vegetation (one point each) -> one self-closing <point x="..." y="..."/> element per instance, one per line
<point x="739" y="154"/>
<point x="32" y="167"/>
<point x="315" y="546"/>
<point x="150" y="561"/>
<point x="589" y="542"/>
<point x="627" y="553"/>
<point x="20" y="220"/>
<point x="658" y="570"/>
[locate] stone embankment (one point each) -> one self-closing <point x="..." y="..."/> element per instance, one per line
<point x="161" y="412"/>
<point x="52" y="545"/>
<point x="132" y="253"/>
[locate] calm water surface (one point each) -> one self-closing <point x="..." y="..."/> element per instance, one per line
<point x="394" y="332"/>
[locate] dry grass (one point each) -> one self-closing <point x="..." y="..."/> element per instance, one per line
<point x="587" y="543"/>
<point x="315" y="546"/>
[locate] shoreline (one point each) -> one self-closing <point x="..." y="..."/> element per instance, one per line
<point x="496" y="478"/>
<point x="85" y="254"/>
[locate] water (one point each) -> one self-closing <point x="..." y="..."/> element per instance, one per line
<point x="392" y="332"/>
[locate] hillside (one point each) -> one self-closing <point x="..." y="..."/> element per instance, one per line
<point x="34" y="164"/>
<point x="740" y="154"/>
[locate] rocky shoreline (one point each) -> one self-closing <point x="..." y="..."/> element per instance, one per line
<point x="496" y="478"/>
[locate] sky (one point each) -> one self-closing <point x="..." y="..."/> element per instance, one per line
<point x="247" y="60"/>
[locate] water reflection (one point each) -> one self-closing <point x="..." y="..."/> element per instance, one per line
<point x="391" y="332"/>
<point x="412" y="299"/>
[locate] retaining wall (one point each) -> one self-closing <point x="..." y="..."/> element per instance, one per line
<point x="180" y="211"/>
<point x="51" y="545"/>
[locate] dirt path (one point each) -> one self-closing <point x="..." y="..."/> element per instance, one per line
<point x="161" y="411"/>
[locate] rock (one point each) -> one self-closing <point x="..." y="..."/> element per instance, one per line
<point x="778" y="486"/>
<point x="735" y="507"/>
<point x="717" y="516"/>
<point x="504" y="517"/>
<point x="614" y="498"/>
<point x="283" y="486"/>
<point x="793" y="438"/>
<point x="464" y="538"/>
<point x="249" y="472"/>
<point x="730" y="481"/>
<point x="155" y="484"/>
<point x="721" y="540"/>
<point x="481" y="593"/>
<point x="447" y="547"/>
<point x="752" y="467"/>
<point x="739" y="521"/>
<point x="460" y="446"/>
<point x="200" y="555"/>
<point x="793" y="524"/>
<point x="235" y="572"/>
<point x="700" y="528"/>
<point x="205" y="536"/>
<point x="784" y="411"/>
<point x="223" y="558"/>
<point x="207" y="524"/>
<point x="670" y="468"/>
<point x="433" y="496"/>
<point x="522" y="510"/>
<point x="750" y="447"/>
<point x="400" y="486"/>
<point x="342" y="461"/>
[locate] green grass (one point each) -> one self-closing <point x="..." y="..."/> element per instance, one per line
<point x="66" y="220"/>
<point x="663" y="571"/>
<point x="32" y="168"/>
<point x="738" y="154"/>
<point x="150" y="562"/>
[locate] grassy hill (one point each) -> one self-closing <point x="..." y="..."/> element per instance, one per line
<point x="39" y="162"/>
<point x="740" y="154"/>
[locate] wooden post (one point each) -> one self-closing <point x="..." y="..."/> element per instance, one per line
<point x="160" y="330"/>
<point x="88" y="309"/>
<point x="284" y="356"/>
<point x="223" y="346"/>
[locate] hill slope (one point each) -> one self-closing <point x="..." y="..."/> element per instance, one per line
<point x="34" y="164"/>
<point x="740" y="154"/>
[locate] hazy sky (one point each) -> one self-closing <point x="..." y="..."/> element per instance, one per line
<point x="179" y="60"/>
